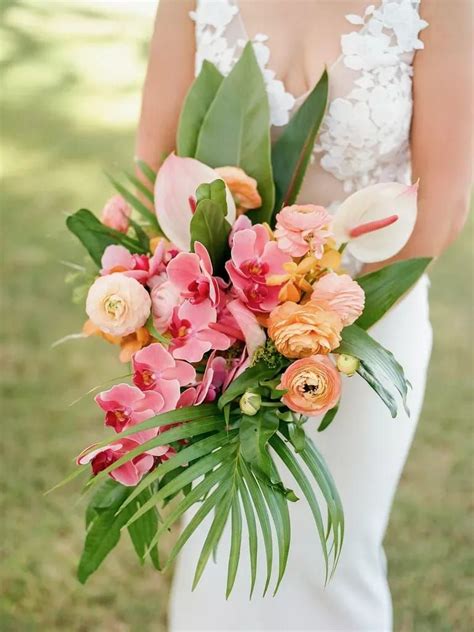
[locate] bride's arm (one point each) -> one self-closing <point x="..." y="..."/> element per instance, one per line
<point x="169" y="75"/>
<point x="442" y="130"/>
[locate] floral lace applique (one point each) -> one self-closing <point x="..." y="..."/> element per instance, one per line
<point x="220" y="40"/>
<point x="365" y="135"/>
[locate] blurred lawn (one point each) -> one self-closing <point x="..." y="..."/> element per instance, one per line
<point x="71" y="80"/>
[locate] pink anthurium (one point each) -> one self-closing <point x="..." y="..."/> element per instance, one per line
<point x="376" y="222"/>
<point x="175" y="191"/>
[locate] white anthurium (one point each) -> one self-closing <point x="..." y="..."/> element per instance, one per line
<point x="376" y="222"/>
<point x="175" y="196"/>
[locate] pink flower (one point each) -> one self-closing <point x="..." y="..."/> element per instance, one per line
<point x="119" y="259"/>
<point x="115" y="214"/>
<point x="192" y="332"/>
<point x="191" y="273"/>
<point x="126" y="405"/>
<point x="130" y="473"/>
<point x="165" y="297"/>
<point x="155" y="369"/>
<point x="254" y="258"/>
<point x="241" y="223"/>
<point x="248" y="324"/>
<point x="342" y="294"/>
<point x="210" y="385"/>
<point x="303" y="228"/>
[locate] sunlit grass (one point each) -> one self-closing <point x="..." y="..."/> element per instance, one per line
<point x="71" y="90"/>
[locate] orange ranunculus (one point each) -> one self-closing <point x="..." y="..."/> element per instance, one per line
<point x="299" y="331"/>
<point x="243" y="188"/>
<point x="313" y="385"/>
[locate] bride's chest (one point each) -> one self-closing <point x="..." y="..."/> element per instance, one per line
<point x="364" y="136"/>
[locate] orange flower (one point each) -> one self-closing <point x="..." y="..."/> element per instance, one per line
<point x="313" y="385"/>
<point x="243" y="188"/>
<point x="294" y="280"/>
<point x="299" y="331"/>
<point x="129" y="344"/>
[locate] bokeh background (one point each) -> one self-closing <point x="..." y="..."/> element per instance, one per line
<point x="71" y="77"/>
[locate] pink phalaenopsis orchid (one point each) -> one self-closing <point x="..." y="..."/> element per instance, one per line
<point x="126" y="405"/>
<point x="155" y="369"/>
<point x="209" y="387"/>
<point x="254" y="258"/>
<point x="140" y="267"/>
<point x="130" y="473"/>
<point x="192" y="332"/>
<point x="191" y="274"/>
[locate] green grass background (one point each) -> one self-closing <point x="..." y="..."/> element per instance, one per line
<point x="70" y="96"/>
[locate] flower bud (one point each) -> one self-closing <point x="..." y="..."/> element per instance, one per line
<point x="347" y="364"/>
<point x="250" y="403"/>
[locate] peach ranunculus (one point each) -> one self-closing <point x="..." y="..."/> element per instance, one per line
<point x="303" y="228"/>
<point x="115" y="214"/>
<point x="313" y="385"/>
<point x="242" y="187"/>
<point x="299" y="331"/>
<point x="343" y="295"/>
<point x="118" y="304"/>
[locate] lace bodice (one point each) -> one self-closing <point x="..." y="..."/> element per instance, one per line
<point x="364" y="138"/>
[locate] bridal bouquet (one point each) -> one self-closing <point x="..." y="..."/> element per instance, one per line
<point x="231" y="302"/>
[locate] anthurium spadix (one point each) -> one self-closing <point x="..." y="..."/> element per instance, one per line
<point x="175" y="201"/>
<point x="376" y="222"/>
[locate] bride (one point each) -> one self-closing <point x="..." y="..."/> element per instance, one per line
<point x="398" y="111"/>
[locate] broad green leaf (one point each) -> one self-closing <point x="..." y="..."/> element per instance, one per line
<point x="328" y="418"/>
<point x="378" y="366"/>
<point x="254" y="435"/>
<point x="259" y="372"/>
<point x="196" y="104"/>
<point x="306" y="487"/>
<point x="252" y="531"/>
<point x="103" y="532"/>
<point x="136" y="204"/>
<point x="210" y="227"/>
<point x="144" y="530"/>
<point x="236" y="129"/>
<point x="146" y="170"/>
<point x="297" y="436"/>
<point x="292" y="151"/>
<point x="95" y="237"/>
<point x="235" y="544"/>
<point x="386" y="286"/>
<point x="262" y="515"/>
<point x="214" y="191"/>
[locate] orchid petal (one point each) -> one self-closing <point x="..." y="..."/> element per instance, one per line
<point x="248" y="323"/>
<point x="176" y="182"/>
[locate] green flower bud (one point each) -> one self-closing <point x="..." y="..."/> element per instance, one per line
<point x="250" y="403"/>
<point x="347" y="364"/>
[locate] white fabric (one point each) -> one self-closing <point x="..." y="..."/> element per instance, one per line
<point x="363" y="140"/>
<point x="365" y="450"/>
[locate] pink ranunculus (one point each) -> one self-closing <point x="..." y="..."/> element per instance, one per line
<point x="116" y="213"/>
<point x="165" y="297"/>
<point x="254" y="258"/>
<point x="191" y="273"/>
<point x="192" y="333"/>
<point x="154" y="368"/>
<point x="343" y="295"/>
<point x="130" y="473"/>
<point x="303" y="228"/>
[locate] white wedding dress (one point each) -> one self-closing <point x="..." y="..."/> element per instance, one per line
<point x="364" y="140"/>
